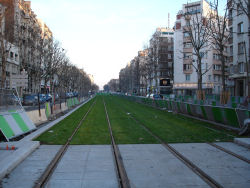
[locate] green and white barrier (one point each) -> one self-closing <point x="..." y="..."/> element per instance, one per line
<point x="72" y="102"/>
<point x="47" y="109"/>
<point x="232" y="117"/>
<point x="15" y="123"/>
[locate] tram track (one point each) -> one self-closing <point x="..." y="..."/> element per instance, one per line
<point x="204" y="176"/>
<point x="214" y="144"/>
<point x="44" y="178"/>
<point x="122" y="177"/>
<point x="230" y="152"/>
<point x="121" y="172"/>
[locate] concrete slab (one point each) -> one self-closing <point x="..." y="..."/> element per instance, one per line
<point x="25" y="174"/>
<point x="152" y="165"/>
<point x="240" y="150"/>
<point x="10" y="161"/>
<point x="85" y="166"/>
<point x="226" y="169"/>
<point x="243" y="142"/>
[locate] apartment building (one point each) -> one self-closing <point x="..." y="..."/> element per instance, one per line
<point x="238" y="48"/>
<point x="28" y="34"/>
<point x="185" y="73"/>
<point x="161" y="58"/>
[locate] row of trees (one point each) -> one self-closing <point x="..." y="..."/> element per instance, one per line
<point x="39" y="54"/>
<point x="211" y="32"/>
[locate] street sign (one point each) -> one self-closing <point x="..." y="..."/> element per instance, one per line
<point x="19" y="80"/>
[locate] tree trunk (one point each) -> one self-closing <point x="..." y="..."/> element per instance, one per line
<point x="3" y="72"/>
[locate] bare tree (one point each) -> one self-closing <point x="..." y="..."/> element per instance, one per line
<point x="198" y="32"/>
<point x="219" y="38"/>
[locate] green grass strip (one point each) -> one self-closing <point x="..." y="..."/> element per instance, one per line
<point x="60" y="132"/>
<point x="174" y="128"/>
<point x="94" y="130"/>
<point x="125" y="129"/>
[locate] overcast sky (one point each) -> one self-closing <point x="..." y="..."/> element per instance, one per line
<point x="102" y="36"/>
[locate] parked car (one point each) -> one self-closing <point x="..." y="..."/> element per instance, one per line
<point x="42" y="98"/>
<point x="48" y="97"/>
<point x="30" y="99"/>
<point x="156" y="96"/>
<point x="75" y="94"/>
<point x="69" y="94"/>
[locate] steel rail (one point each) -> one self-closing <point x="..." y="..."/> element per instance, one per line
<point x="53" y="164"/>
<point x="230" y="152"/>
<point x="208" y="179"/>
<point x="121" y="172"/>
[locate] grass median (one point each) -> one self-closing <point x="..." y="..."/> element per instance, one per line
<point x="173" y="128"/>
<point x="60" y="132"/>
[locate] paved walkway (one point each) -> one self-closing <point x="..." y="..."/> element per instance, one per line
<point x="226" y="169"/>
<point x="85" y="166"/>
<point x="147" y="166"/>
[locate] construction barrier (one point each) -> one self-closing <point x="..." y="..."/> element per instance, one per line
<point x="72" y="102"/>
<point x="47" y="109"/>
<point x="15" y="123"/>
<point x="233" y="117"/>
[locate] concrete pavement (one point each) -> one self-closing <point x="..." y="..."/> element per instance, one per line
<point x="226" y="169"/>
<point x="147" y="166"/>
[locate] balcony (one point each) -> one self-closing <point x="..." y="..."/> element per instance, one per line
<point x="186" y="39"/>
<point x="188" y="71"/>
<point x="216" y="62"/>
<point x="217" y="72"/>
<point x="188" y="50"/>
<point x="187" y="61"/>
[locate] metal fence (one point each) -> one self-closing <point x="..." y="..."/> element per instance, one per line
<point x="9" y="101"/>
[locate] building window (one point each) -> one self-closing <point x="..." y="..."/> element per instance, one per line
<point x="217" y="67"/>
<point x="187" y="56"/>
<point x="218" y="89"/>
<point x="11" y="55"/>
<point x="16" y="56"/>
<point x="187" y="67"/>
<point x="186" y="34"/>
<point x="169" y="56"/>
<point x="187" y="45"/>
<point x="230" y="14"/>
<point x="187" y="77"/>
<point x="203" y="55"/>
<point x="209" y="77"/>
<point x="241" y="67"/>
<point x="231" y="70"/>
<point x="178" y="25"/>
<point x="240" y="28"/>
<point x="216" y="56"/>
<point x="231" y="51"/>
<point x="241" y="48"/>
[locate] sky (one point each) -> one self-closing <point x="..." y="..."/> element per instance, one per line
<point x="102" y="36"/>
